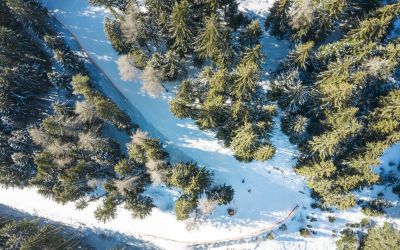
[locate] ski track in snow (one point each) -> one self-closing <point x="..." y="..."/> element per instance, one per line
<point x="274" y="186"/>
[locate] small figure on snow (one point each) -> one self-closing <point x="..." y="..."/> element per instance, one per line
<point x="231" y="212"/>
<point x="243" y="181"/>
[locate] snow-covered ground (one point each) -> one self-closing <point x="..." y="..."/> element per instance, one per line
<point x="274" y="187"/>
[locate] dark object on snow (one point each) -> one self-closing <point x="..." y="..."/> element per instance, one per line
<point x="231" y="212"/>
<point x="249" y="190"/>
<point x="243" y="181"/>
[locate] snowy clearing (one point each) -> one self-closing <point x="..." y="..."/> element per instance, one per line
<point x="274" y="188"/>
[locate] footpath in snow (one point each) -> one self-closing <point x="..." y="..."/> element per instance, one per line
<point x="274" y="187"/>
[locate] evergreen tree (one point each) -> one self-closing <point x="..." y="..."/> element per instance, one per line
<point x="180" y="28"/>
<point x="184" y="206"/>
<point x="251" y="35"/>
<point x="209" y="41"/>
<point x="114" y="33"/>
<point x="222" y="194"/>
<point x="190" y="178"/>
<point x="247" y="74"/>
<point x="181" y="106"/>
<point x="29" y="235"/>
<point x="385" y="237"/>
<point x="332" y="98"/>
<point x="244" y="143"/>
<point x="278" y="19"/>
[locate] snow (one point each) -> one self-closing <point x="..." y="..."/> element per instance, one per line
<point x="275" y="188"/>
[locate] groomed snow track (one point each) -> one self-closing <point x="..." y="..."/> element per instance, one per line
<point x="255" y="236"/>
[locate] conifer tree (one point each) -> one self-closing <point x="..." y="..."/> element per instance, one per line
<point x="278" y="19"/>
<point x="180" y="28"/>
<point x="251" y="35"/>
<point x="209" y="41"/>
<point x="333" y="96"/>
<point x="182" y="105"/>
<point x="247" y="74"/>
<point x="30" y="235"/>
<point x="302" y="53"/>
<point x="382" y="237"/>
<point x="114" y="33"/>
<point x="244" y="143"/>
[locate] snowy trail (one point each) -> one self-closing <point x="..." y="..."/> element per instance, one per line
<point x="274" y="186"/>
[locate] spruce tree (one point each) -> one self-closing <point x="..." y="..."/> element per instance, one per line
<point x="209" y="41"/>
<point x="180" y="28"/>
<point x="251" y="35"/>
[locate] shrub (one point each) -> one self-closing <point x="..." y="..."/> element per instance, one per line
<point x="283" y="227"/>
<point x="396" y="189"/>
<point x="305" y="232"/>
<point x="364" y="222"/>
<point x="374" y="208"/>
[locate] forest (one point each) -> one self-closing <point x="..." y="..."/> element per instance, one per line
<point x="61" y="149"/>
<point x="336" y="88"/>
<point x="335" y="95"/>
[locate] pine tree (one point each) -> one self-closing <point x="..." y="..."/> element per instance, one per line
<point x="278" y="19"/>
<point x="190" y="178"/>
<point x="348" y="241"/>
<point x="180" y="28"/>
<point x="302" y="53"/>
<point x="121" y="4"/>
<point x="114" y="33"/>
<point x="182" y="106"/>
<point x="247" y="74"/>
<point x="385" y="237"/>
<point x="251" y="35"/>
<point x="29" y="235"/>
<point x="184" y="206"/>
<point x="169" y="66"/>
<point x="209" y="41"/>
<point x="244" y="143"/>
<point x="214" y="111"/>
<point x="264" y="152"/>
<point x="223" y="194"/>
